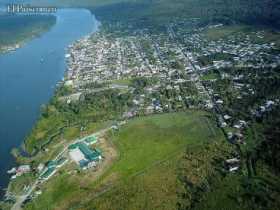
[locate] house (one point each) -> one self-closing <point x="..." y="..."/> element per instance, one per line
<point x="219" y="101"/>
<point x="232" y="169"/>
<point x="232" y="161"/>
<point x="23" y="169"/>
<point x="227" y="117"/>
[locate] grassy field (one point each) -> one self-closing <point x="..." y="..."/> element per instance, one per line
<point x="210" y="76"/>
<point x="269" y="35"/>
<point x="224" y="31"/>
<point x="144" y="174"/>
<point x="153" y="189"/>
<point x="157" y="137"/>
<point x="122" y="81"/>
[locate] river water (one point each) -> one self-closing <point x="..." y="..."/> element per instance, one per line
<point x="27" y="81"/>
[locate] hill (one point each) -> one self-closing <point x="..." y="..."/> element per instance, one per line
<point x="255" y="12"/>
<point x="17" y="29"/>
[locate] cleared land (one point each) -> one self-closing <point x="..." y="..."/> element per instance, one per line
<point x="145" y="173"/>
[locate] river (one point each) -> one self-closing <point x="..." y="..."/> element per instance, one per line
<point x="27" y="81"/>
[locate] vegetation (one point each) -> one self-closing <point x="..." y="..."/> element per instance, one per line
<point x="154" y="147"/>
<point x="157" y="171"/>
<point x="18" y="185"/>
<point x="143" y="12"/>
<point x="76" y="114"/>
<point x="17" y="29"/>
<point x="225" y="31"/>
<point x="174" y="160"/>
<point x="157" y="137"/>
<point x="210" y="76"/>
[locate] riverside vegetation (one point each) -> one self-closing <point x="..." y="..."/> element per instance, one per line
<point x="15" y="30"/>
<point x="208" y="92"/>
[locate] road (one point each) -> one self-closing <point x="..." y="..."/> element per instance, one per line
<point x="21" y="198"/>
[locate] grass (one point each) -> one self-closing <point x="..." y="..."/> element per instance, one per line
<point x="231" y="192"/>
<point x="224" y="31"/>
<point x="42" y="130"/>
<point x="210" y="76"/>
<point x="144" y="175"/>
<point x="269" y="36"/>
<point x="122" y="82"/>
<point x="71" y="133"/>
<point x="222" y="191"/>
<point x="149" y="158"/>
<point x="17" y="185"/>
<point x="59" y="190"/>
<point x="155" y="189"/>
<point x="155" y="138"/>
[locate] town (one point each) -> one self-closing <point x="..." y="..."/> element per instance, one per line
<point x="188" y="67"/>
<point x="174" y="69"/>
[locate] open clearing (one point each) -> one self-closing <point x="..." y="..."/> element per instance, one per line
<point x="144" y="174"/>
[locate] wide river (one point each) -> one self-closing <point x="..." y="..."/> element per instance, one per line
<point x="26" y="82"/>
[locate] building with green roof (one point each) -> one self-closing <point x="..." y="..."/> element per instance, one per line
<point x="48" y="173"/>
<point x="91" y="140"/>
<point x="83" y="155"/>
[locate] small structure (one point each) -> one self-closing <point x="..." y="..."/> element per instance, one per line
<point x="40" y="167"/>
<point x="91" y="140"/>
<point x="48" y="173"/>
<point x="49" y="170"/>
<point x="60" y="162"/>
<point x="23" y="169"/>
<point x="232" y="164"/>
<point x="227" y="117"/>
<point x="84" y="156"/>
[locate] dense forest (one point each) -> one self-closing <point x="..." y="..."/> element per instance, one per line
<point x="257" y="12"/>
<point x="17" y="28"/>
<point x="254" y="12"/>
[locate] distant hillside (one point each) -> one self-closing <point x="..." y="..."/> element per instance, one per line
<point x="260" y="12"/>
<point x="256" y="12"/>
<point x="15" y="29"/>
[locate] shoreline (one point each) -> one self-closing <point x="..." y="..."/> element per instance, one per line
<point x="33" y="34"/>
<point x="20" y="150"/>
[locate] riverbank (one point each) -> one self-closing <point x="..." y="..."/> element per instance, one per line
<point x="35" y="69"/>
<point x="18" y="30"/>
<point x="165" y="105"/>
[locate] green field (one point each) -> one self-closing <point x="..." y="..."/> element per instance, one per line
<point x="122" y="81"/>
<point x="144" y="174"/>
<point x="156" y="137"/>
<point x="210" y="76"/>
<point x="225" y="31"/>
